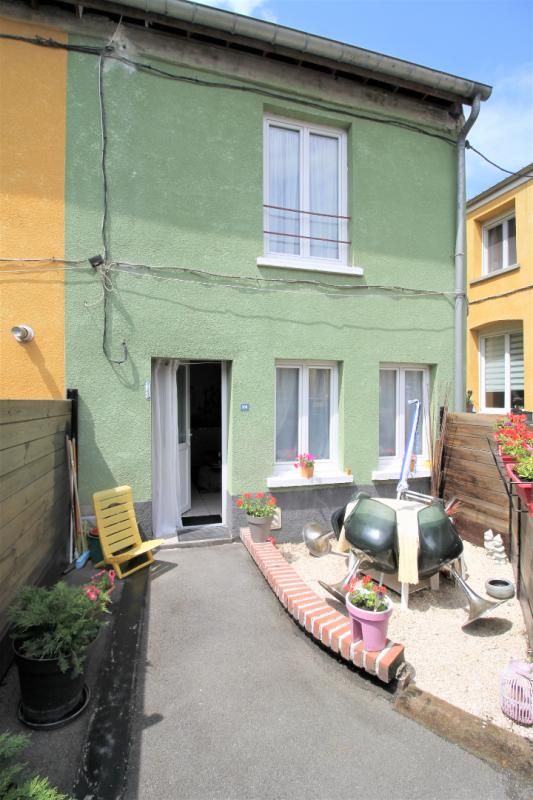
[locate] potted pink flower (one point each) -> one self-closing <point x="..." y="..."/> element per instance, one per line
<point x="306" y="464"/>
<point x="370" y="610"/>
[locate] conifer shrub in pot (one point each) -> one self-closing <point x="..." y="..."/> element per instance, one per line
<point x="52" y="629"/>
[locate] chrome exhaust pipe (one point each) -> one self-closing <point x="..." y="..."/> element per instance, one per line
<point x="340" y="590"/>
<point x="477" y="605"/>
<point x="317" y="542"/>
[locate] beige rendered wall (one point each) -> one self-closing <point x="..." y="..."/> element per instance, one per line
<point x="487" y="310"/>
<point x="32" y="177"/>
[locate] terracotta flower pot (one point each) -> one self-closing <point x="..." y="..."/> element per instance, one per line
<point x="370" y="626"/>
<point x="307" y="471"/>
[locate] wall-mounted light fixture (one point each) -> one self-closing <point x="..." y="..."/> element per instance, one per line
<point x="23" y="333"/>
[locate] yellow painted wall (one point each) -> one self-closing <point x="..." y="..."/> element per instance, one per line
<point x="32" y="177"/>
<point x="514" y="307"/>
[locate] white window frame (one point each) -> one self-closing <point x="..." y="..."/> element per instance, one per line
<point x="393" y="464"/>
<point x="322" y="466"/>
<point x="507" y="367"/>
<point x="494" y="223"/>
<point x="304" y="258"/>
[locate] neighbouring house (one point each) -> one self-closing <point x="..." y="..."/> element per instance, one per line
<point x="500" y="295"/>
<point x="33" y="95"/>
<point x="259" y="234"/>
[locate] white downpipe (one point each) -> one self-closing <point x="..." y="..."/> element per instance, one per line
<point x="460" y="273"/>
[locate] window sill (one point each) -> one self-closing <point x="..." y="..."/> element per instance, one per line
<point x="326" y="479"/>
<point x="495" y="274"/>
<point x="393" y="474"/>
<point x="309" y="265"/>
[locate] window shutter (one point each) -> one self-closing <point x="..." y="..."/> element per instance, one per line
<point x="516" y="347"/>
<point x="495" y="364"/>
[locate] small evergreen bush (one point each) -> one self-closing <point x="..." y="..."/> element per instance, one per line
<point x="13" y="784"/>
<point x="60" y="622"/>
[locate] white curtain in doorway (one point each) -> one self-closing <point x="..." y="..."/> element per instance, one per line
<point x="165" y="472"/>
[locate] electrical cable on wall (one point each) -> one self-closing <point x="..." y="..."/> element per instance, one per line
<point x="148" y="68"/>
<point x="203" y="83"/>
<point x="493" y="163"/>
<point x="257" y="284"/>
<point x="214" y="280"/>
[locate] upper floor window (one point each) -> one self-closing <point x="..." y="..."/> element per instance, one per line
<point x="499" y="244"/>
<point x="305" y="193"/>
<point x="306" y="414"/>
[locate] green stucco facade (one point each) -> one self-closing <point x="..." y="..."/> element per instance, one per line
<point x="185" y="179"/>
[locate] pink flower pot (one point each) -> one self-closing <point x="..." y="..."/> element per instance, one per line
<point x="524" y="487"/>
<point x="504" y="458"/>
<point x="370" y="626"/>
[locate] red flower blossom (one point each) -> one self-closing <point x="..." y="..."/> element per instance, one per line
<point x="259" y="495"/>
<point x="380" y="589"/>
<point x="247" y="495"/>
<point x="351" y="584"/>
<point x="272" y="501"/>
<point x="366" y="580"/>
<point x="239" y="503"/>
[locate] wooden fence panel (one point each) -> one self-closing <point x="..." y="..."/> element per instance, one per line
<point x="34" y="497"/>
<point x="525" y="567"/>
<point x="471" y="475"/>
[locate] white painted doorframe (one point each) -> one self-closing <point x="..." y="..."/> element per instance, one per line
<point x="184" y="438"/>
<point x="224" y="436"/>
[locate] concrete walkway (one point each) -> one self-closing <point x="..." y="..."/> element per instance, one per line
<point x="235" y="702"/>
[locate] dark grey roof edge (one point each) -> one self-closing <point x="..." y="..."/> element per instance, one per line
<point x="303" y="42"/>
<point x="526" y="172"/>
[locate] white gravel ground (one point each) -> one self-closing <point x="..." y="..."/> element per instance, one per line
<point x="462" y="666"/>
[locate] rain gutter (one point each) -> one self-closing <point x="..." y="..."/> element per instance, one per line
<point x="307" y="44"/>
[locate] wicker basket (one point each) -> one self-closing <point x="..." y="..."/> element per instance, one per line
<point x="516" y="692"/>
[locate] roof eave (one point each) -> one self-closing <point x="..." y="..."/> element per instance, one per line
<point x="305" y="44"/>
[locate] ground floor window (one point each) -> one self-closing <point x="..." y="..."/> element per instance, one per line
<point x="306" y="413"/>
<point x="398" y="384"/>
<point x="502" y="371"/>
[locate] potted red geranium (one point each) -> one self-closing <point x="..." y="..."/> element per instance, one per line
<point x="513" y="437"/>
<point x="521" y="474"/>
<point x="259" y="508"/>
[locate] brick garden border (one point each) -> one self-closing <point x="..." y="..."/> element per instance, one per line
<point x="310" y="611"/>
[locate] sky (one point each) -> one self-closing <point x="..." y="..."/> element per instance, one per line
<point x="490" y="41"/>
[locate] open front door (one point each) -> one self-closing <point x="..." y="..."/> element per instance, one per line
<point x="184" y="438"/>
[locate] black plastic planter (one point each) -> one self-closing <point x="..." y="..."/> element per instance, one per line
<point x="47" y="694"/>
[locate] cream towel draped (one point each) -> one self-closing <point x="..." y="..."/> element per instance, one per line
<point x="343" y="545"/>
<point x="407" y="524"/>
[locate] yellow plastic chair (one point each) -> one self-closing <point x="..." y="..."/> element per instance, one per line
<point x="117" y="528"/>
